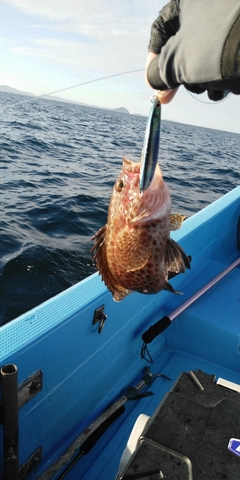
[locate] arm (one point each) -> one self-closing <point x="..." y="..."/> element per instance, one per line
<point x="166" y="25"/>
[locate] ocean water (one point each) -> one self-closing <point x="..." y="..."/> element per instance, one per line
<point x="58" y="164"/>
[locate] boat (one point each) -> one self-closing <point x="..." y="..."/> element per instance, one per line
<point x="79" y="371"/>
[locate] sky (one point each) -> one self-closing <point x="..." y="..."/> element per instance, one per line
<point x="50" y="45"/>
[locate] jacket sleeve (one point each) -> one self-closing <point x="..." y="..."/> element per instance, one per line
<point x="166" y="25"/>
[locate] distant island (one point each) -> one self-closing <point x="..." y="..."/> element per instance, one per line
<point x="6" y="89"/>
<point x="121" y="110"/>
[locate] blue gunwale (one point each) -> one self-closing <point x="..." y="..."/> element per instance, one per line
<point x="39" y="320"/>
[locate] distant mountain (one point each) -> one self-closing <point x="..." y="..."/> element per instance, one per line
<point x="6" y="89"/>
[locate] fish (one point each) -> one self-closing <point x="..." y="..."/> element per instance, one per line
<point x="133" y="252"/>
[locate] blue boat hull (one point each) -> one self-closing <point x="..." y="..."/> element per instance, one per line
<point x="84" y="371"/>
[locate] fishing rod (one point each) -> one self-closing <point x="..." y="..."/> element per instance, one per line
<point x="162" y="324"/>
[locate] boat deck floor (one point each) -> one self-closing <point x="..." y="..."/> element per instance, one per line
<point x="105" y="455"/>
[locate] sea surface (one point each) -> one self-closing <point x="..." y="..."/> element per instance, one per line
<point x="58" y="164"/>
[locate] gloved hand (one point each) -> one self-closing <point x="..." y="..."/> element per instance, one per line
<point x="196" y="43"/>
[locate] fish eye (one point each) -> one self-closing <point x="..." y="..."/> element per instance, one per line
<point x="120" y="186"/>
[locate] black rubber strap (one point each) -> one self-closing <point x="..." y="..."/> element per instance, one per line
<point x="156" y="329"/>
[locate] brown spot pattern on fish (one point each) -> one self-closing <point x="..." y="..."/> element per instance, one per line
<point x="133" y="251"/>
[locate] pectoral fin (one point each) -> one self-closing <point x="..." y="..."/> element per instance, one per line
<point x="176" y="259"/>
<point x="176" y="262"/>
<point x="134" y="249"/>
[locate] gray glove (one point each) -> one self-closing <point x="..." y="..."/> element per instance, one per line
<point x="199" y="46"/>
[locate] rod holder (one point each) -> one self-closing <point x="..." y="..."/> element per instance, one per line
<point x="9" y="383"/>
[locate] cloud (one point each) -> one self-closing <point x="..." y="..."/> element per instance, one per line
<point x="102" y="35"/>
<point x="86" y="16"/>
<point x="55" y="51"/>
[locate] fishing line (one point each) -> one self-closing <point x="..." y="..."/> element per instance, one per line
<point x="211" y="102"/>
<point x="36" y="97"/>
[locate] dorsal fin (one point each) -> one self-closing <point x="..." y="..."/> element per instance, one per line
<point x="176" y="221"/>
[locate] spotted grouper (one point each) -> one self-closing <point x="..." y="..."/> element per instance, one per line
<point x="134" y="251"/>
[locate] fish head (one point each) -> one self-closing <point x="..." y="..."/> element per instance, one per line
<point x="134" y="207"/>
